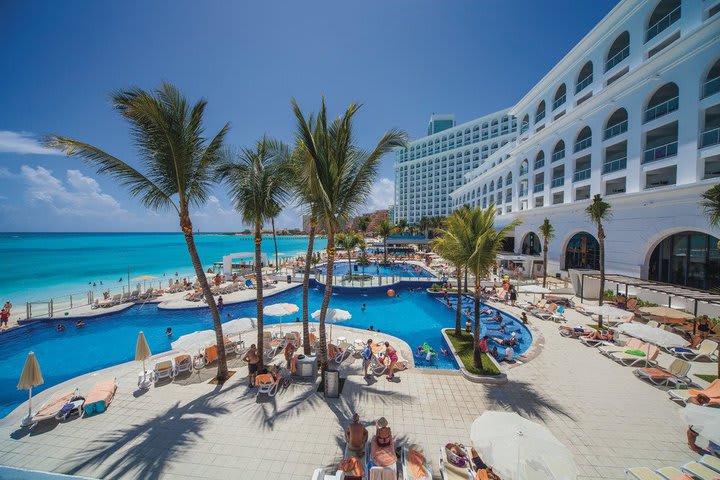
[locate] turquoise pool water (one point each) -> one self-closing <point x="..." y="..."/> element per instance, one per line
<point x="398" y="269"/>
<point x="414" y="316"/>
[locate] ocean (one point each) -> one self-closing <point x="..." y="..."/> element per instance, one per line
<point x="38" y="266"/>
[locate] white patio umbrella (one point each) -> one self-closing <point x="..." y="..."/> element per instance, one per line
<point x="609" y="311"/>
<point x="520" y="449"/>
<point x="280" y="309"/>
<point x="333" y="315"/>
<point x="142" y="353"/>
<point x="653" y="335"/>
<point x="238" y="326"/>
<point x="30" y="377"/>
<point x="534" y="289"/>
<point x="704" y="421"/>
<point x="194" y="340"/>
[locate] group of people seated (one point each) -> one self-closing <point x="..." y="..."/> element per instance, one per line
<point x="382" y="447"/>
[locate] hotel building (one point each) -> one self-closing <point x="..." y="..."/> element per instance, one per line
<point x="632" y="113"/>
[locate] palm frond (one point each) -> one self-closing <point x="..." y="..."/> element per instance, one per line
<point x="711" y="205"/>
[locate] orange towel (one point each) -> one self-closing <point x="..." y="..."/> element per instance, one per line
<point x="712" y="391"/>
<point x="180" y="359"/>
<point x="264" y="379"/>
<point x="416" y="465"/>
<point x="101" y="392"/>
<point x="54" y="405"/>
<point x="211" y="354"/>
<point x="657" y="373"/>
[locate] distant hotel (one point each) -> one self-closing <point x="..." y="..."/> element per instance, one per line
<point x="632" y="113"/>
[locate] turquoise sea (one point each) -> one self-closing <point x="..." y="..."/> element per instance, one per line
<point x="37" y="266"/>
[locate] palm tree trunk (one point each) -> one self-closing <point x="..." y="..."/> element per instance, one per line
<point x="306" y="289"/>
<point x="545" y="246"/>
<point x="466" y="282"/>
<point x="259" y="289"/>
<point x="601" y="239"/>
<point x="385" y="249"/>
<point x="277" y="265"/>
<point x="458" y="312"/>
<point x="186" y="225"/>
<point x="477" y="360"/>
<point x="326" y="297"/>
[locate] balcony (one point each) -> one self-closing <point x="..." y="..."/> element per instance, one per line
<point x="711" y="87"/>
<point x="615" y="130"/>
<point x="582" y="84"/>
<point x="558" y="155"/>
<point x="617" y="58"/>
<point x="615" y="165"/>
<point x="662" y="109"/>
<point x="524" y="171"/>
<point x="539" y="164"/>
<point x="583" y="144"/>
<point x="557" y="182"/>
<point x="581" y="175"/>
<point x="710" y="137"/>
<point x="538" y="187"/>
<point x="662" y="24"/>
<point x="524" y="127"/>
<point x="508" y="198"/>
<point x="524" y="192"/>
<point x="557" y="103"/>
<point x="539" y="116"/>
<point x="658" y="153"/>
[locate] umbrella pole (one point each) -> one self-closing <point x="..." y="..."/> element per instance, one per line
<point x="28" y="420"/>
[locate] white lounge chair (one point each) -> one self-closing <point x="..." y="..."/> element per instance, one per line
<point x="705" y="351"/>
<point x="630" y="360"/>
<point x="163" y="369"/>
<point x="182" y="363"/>
<point x="319" y="474"/>
<point x="449" y="471"/>
<point x="669" y="473"/>
<point x="698" y="470"/>
<point x="52" y="407"/>
<point x="641" y="473"/>
<point x="676" y="373"/>
<point x="345" y="350"/>
<point x="711" y="461"/>
<point x="410" y="461"/>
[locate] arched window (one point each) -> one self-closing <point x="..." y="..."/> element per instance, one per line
<point x="540" y="112"/>
<point x="711" y="85"/>
<point x="619" y="51"/>
<point x="492" y="185"/>
<point x="531" y="245"/>
<point x="508" y="180"/>
<point x="539" y="160"/>
<point x="500" y="182"/>
<point x="558" y="151"/>
<point x="525" y="124"/>
<point x="584" y="78"/>
<point x="616" y="124"/>
<point x="582" y="251"/>
<point x="524" y="167"/>
<point x="484" y="190"/>
<point x="584" y="139"/>
<point x="666" y="99"/>
<point x="666" y="13"/>
<point x="560" y="96"/>
<point x="688" y="258"/>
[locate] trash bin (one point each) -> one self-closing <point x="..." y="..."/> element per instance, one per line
<point x="289" y="278"/>
<point x="332" y="384"/>
<point x="306" y="367"/>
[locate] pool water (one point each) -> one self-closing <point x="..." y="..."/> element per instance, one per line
<point x="405" y="270"/>
<point x="414" y="316"/>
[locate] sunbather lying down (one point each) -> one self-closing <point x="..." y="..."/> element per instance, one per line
<point x="589" y="333"/>
<point x="382" y="447"/>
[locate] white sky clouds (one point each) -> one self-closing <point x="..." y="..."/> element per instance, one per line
<point x="382" y="195"/>
<point x="23" y="143"/>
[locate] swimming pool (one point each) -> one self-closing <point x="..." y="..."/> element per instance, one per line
<point x="414" y="316"/>
<point x="405" y="270"/>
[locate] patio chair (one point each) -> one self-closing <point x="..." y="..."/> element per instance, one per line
<point x="344" y="350"/>
<point x="698" y="470"/>
<point x="712" y="392"/>
<point x="669" y="473"/>
<point x="631" y="360"/>
<point x="267" y="383"/>
<point x="706" y="351"/>
<point x="633" y="343"/>
<point x="182" y="363"/>
<point x="641" y="473"/>
<point x="99" y="397"/>
<point x="52" y="407"/>
<point x="676" y="373"/>
<point x="163" y="369"/>
<point x="319" y="474"/>
<point x="711" y="461"/>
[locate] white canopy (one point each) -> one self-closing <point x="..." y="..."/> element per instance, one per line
<point x="333" y="315"/>
<point x="705" y="421"/>
<point x="652" y="335"/>
<point x="239" y="325"/>
<point x="520" y="449"/>
<point x="539" y="289"/>
<point x="280" y="309"/>
<point x="609" y="311"/>
<point x="194" y="340"/>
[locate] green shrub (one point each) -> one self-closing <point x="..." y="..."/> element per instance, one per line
<point x="434" y="287"/>
<point x="463" y="346"/>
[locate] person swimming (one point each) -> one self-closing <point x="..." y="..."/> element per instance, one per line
<point x="363" y="307"/>
<point x="79" y="324"/>
<point x="60" y="327"/>
<point x="168" y="332"/>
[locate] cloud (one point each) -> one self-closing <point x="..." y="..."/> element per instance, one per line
<point x="22" y="142"/>
<point x="81" y="196"/>
<point x="382" y="195"/>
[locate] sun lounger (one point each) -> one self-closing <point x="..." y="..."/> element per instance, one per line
<point x="671" y="473"/>
<point x="712" y="392"/>
<point x="293" y="338"/>
<point x="52" y="407"/>
<point x="182" y="363"/>
<point x="642" y="473"/>
<point x="630" y="360"/>
<point x="698" y="470"/>
<point x="267" y="383"/>
<point x="706" y="351"/>
<point x="354" y="461"/>
<point x="415" y="464"/>
<point x="633" y="343"/>
<point x="100" y="397"/>
<point x="607" y="338"/>
<point x="376" y="472"/>
<point x="450" y="471"/>
<point x="711" y="461"/>
<point x="676" y="373"/>
<point x="319" y="474"/>
<point x="163" y="369"/>
<point x="343" y="351"/>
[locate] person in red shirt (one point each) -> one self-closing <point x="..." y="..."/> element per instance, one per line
<point x="4" y="317"/>
<point x="483" y="345"/>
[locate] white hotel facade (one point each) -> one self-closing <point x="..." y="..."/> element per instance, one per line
<point x="632" y="113"/>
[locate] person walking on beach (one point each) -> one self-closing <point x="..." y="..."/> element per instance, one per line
<point x="4" y="317"/>
<point x="252" y="358"/>
<point x="391" y="353"/>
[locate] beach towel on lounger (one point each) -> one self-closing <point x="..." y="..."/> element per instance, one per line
<point x="100" y="396"/>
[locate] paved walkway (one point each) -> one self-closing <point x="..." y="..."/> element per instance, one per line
<point x="191" y="429"/>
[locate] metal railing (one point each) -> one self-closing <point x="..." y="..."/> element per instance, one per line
<point x="711" y="87"/>
<point x="582" y="84"/>
<point x="539" y="164"/>
<point x="524" y="127"/>
<point x="558" y="155"/>
<point x="538" y="187"/>
<point x="581" y="175"/>
<point x="523" y="171"/>
<point x="662" y="109"/>
<point x="557" y="182"/>
<point x="615" y="165"/>
<point x="539" y="116"/>
<point x="658" y="153"/>
<point x="583" y="144"/>
<point x="358" y="280"/>
<point x="615" y="130"/>
<point x="662" y="24"/>
<point x="557" y="103"/>
<point x="617" y="58"/>
<point x="710" y="137"/>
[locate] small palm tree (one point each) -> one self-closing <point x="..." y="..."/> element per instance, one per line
<point x="384" y="229"/>
<point x="176" y="168"/>
<point x="273" y="215"/>
<point x="340" y="176"/>
<point x="447" y="246"/>
<point x="401" y="225"/>
<point x="598" y="212"/>
<point x="348" y="242"/>
<point x="547" y="232"/>
<point x="711" y="204"/>
<point x="258" y="180"/>
<point x="362" y="224"/>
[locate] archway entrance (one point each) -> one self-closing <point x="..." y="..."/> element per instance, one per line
<point x="531" y="245"/>
<point x="691" y="259"/>
<point x="582" y="251"/>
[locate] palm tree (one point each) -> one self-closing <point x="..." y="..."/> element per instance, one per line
<point x="273" y="215"/>
<point x="447" y="246"/>
<point x="401" y="225"/>
<point x="176" y="170"/>
<point x="362" y="224"/>
<point x="258" y="180"/>
<point x="341" y="176"/>
<point x="384" y="229"/>
<point x="711" y="204"/>
<point x="598" y="212"/>
<point x="547" y="232"/>
<point x="348" y="242"/>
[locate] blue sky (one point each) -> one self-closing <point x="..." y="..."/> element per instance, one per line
<point x="402" y="59"/>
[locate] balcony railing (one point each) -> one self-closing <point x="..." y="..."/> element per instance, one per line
<point x="710" y="137"/>
<point x="539" y="187"/>
<point x="523" y="192"/>
<point x="662" y="24"/>
<point x="583" y="144"/>
<point x="508" y="199"/>
<point x="662" y="109"/>
<point x="711" y="87"/>
<point x="617" y="58"/>
<point x="558" y="155"/>
<point x="557" y="182"/>
<point x="539" y="164"/>
<point x="539" y="116"/>
<point x="616" y="130"/>
<point x="615" y="165"/>
<point x="663" y="151"/>
<point x="524" y="127"/>
<point x="557" y="103"/>
<point x="583" y="83"/>
<point x="523" y="171"/>
<point x="581" y="175"/>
